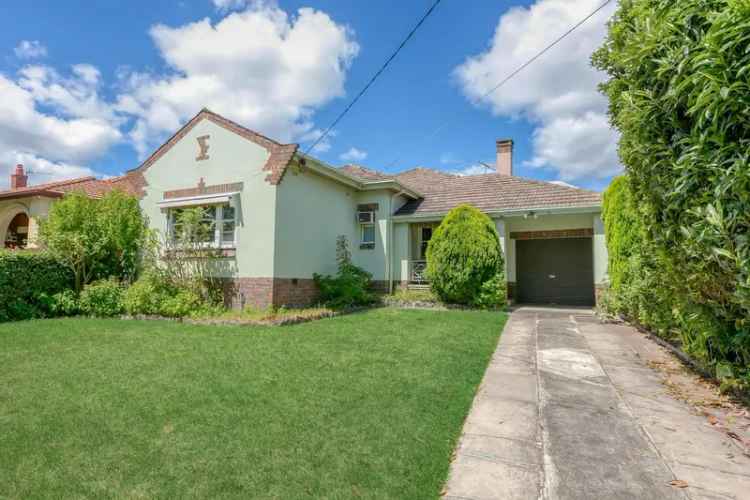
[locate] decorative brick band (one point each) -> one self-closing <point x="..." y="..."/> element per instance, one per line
<point x="201" y="188"/>
<point x="266" y="292"/>
<point x="557" y="233"/>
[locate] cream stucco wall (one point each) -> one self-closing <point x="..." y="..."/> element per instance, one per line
<point x="36" y="208"/>
<point x="232" y="158"/>
<point x="312" y="211"/>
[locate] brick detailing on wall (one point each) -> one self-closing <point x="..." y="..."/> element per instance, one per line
<point x="294" y="292"/>
<point x="280" y="155"/>
<point x="265" y="292"/>
<point x="248" y="292"/>
<point x="203" y="189"/>
<point x="557" y="233"/>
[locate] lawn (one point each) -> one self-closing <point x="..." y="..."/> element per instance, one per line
<point x="368" y="405"/>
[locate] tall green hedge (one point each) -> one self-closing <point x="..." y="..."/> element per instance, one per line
<point x="679" y="93"/>
<point x="464" y="259"/>
<point x="27" y="279"/>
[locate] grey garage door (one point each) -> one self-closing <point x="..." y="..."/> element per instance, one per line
<point x="555" y="271"/>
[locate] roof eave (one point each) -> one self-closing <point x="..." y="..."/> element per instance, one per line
<point x="30" y="194"/>
<point x="516" y="212"/>
<point x="394" y="185"/>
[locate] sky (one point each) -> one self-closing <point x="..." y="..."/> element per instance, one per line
<point x="93" y="88"/>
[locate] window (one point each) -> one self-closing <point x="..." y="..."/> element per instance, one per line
<point x="367" y="237"/>
<point x="215" y="227"/>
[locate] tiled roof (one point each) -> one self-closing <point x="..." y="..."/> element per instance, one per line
<point x="489" y="192"/>
<point x="91" y="186"/>
<point x="366" y="174"/>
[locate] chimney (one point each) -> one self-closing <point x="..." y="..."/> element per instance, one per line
<point x="504" y="163"/>
<point x="18" y="178"/>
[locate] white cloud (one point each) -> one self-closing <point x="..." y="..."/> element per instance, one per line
<point x="449" y="159"/>
<point x="558" y="92"/>
<point x="353" y="154"/>
<point x="260" y="67"/>
<point x="30" y="49"/>
<point x="475" y="169"/>
<point x="227" y="5"/>
<point x="563" y="183"/>
<point x="40" y="170"/>
<point x="52" y="123"/>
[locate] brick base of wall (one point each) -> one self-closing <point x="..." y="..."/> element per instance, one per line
<point x="294" y="292"/>
<point x="251" y="292"/>
<point x="265" y="292"/>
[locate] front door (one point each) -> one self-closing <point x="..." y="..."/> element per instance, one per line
<point x="555" y="271"/>
<point x="425" y="234"/>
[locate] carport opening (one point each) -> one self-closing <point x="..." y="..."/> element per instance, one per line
<point x="17" y="235"/>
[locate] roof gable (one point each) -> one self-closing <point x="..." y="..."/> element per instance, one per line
<point x="280" y="155"/>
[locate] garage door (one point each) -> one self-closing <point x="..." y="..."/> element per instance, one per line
<point x="555" y="271"/>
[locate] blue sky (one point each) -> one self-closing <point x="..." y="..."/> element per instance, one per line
<point x="88" y="88"/>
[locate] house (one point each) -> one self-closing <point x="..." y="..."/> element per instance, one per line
<point x="278" y="212"/>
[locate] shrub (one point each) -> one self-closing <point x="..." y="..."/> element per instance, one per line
<point x="63" y="303"/>
<point x="492" y="294"/>
<point x="27" y="281"/>
<point x="155" y="294"/>
<point x="352" y="286"/>
<point x="102" y="298"/>
<point x="464" y="254"/>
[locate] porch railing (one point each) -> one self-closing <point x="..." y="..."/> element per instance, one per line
<point x="418" y="272"/>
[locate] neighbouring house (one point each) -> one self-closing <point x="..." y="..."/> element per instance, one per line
<point x="277" y="213"/>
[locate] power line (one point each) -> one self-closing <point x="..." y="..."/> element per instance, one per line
<point x="374" y="77"/>
<point x="520" y="68"/>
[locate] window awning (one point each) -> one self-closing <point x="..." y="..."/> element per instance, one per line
<point x="194" y="201"/>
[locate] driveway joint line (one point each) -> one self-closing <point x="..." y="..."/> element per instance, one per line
<point x="629" y="410"/>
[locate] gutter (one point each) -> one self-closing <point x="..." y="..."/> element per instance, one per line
<point x="518" y="212"/>
<point x="31" y="194"/>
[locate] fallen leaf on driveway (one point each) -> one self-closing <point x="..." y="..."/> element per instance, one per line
<point x="678" y="483"/>
<point x="713" y="420"/>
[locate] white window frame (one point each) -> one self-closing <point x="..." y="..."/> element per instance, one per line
<point x="362" y="242"/>
<point x="218" y="241"/>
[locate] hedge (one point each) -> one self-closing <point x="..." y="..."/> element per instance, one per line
<point x="648" y="290"/>
<point x="27" y="280"/>
<point x="678" y="94"/>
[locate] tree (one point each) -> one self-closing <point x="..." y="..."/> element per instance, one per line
<point x="96" y="239"/>
<point x="463" y="255"/>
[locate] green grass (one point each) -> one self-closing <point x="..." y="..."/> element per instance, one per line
<point x="270" y="314"/>
<point x="368" y="405"/>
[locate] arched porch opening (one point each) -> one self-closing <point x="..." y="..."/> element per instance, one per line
<point x="17" y="232"/>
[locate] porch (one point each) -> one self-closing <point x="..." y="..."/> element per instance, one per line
<point x="554" y="257"/>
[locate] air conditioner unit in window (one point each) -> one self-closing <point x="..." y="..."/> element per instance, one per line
<point x="366" y="217"/>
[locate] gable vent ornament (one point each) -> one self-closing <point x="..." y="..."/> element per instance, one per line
<point x="203" y="147"/>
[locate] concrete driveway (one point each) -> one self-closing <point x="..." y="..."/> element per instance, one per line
<point x="573" y="409"/>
